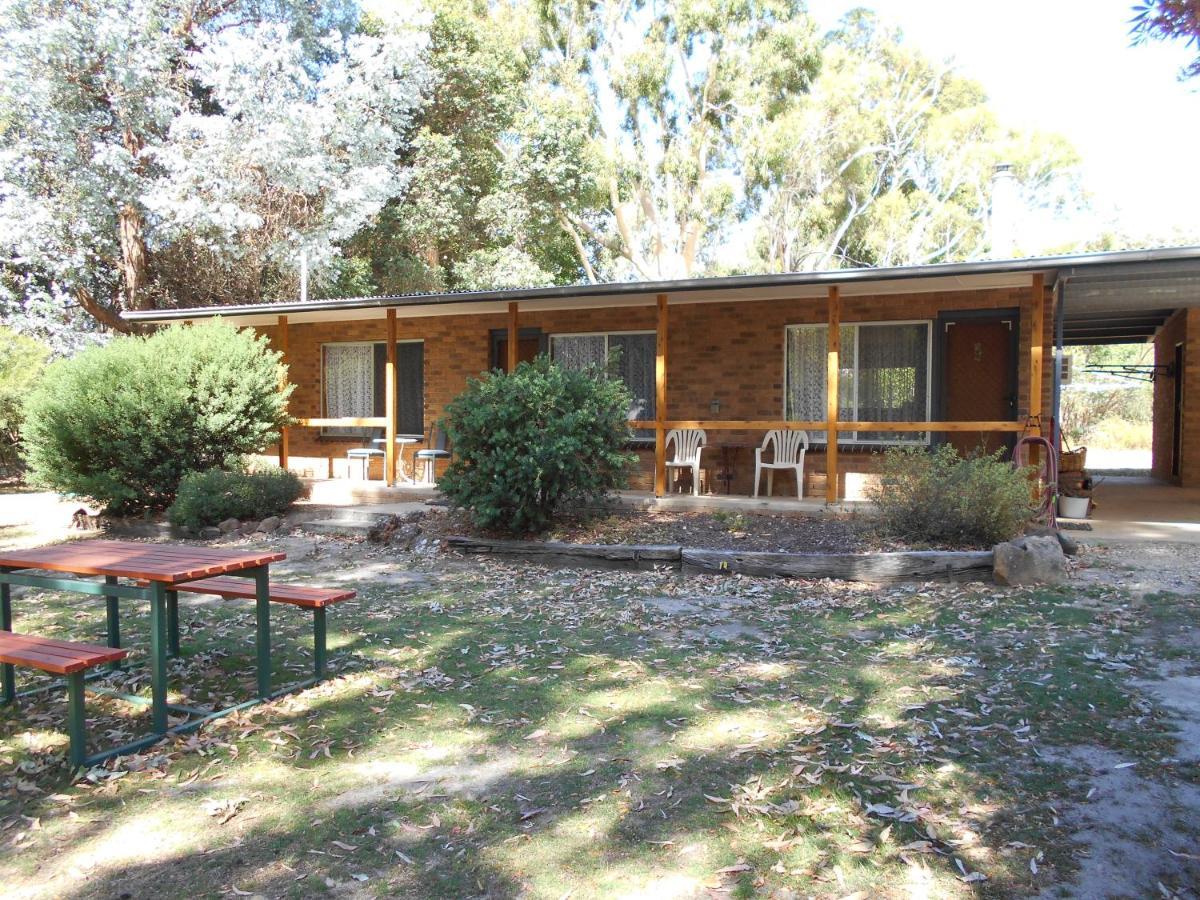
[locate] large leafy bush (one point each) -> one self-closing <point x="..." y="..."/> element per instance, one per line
<point x="22" y="360"/>
<point x="535" y="440"/>
<point x="938" y="497"/>
<point x="124" y="423"/>
<point x="207" y="498"/>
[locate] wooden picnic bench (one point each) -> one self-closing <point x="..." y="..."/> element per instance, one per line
<point x="312" y="598"/>
<point x="58" y="658"/>
<point x="158" y="572"/>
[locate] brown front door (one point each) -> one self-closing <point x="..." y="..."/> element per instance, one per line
<point x="979" y="379"/>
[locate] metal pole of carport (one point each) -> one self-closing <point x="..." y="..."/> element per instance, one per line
<point x="1060" y="299"/>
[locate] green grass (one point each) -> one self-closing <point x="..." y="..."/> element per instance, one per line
<point x="505" y="731"/>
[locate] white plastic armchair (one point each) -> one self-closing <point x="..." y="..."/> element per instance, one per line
<point x="789" y="450"/>
<point x="689" y="442"/>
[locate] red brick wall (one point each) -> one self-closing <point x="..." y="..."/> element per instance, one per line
<point x="729" y="352"/>
<point x="1183" y="327"/>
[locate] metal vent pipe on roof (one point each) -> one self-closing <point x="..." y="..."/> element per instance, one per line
<point x="1002" y="222"/>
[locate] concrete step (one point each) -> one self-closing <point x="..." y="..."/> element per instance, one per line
<point x="345" y="522"/>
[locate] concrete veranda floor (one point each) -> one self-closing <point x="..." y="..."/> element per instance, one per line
<point x="1138" y="508"/>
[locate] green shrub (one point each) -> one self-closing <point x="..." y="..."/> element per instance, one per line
<point x="207" y="498"/>
<point x="123" y="423"/>
<point x="22" y="360"/>
<point x="938" y="497"/>
<point x="528" y="443"/>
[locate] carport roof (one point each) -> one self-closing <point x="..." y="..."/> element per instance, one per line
<point x="1125" y="303"/>
<point x="1108" y="297"/>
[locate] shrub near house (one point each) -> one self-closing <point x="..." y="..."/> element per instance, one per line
<point x="209" y="498"/>
<point x="937" y="497"/>
<point x="124" y="423"/>
<point x="529" y="443"/>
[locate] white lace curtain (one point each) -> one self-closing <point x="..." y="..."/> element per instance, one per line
<point x="349" y="384"/>
<point x="884" y="372"/>
<point x="806" y="366"/>
<point x="578" y="352"/>
<point x="631" y="354"/>
<point x="893" y="372"/>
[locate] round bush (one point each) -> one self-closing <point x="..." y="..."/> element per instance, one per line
<point x="209" y="498"/>
<point x="528" y="443"/>
<point x="123" y="423"/>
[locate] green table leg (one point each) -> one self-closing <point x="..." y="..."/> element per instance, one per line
<point x="319" y="642"/>
<point x="173" y="623"/>
<point x="262" y="603"/>
<point x="113" y="611"/>
<point x="158" y="656"/>
<point x="76" y="723"/>
<point x="9" y="677"/>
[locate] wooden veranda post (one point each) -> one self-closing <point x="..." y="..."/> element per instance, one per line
<point x="283" y="380"/>
<point x="660" y="400"/>
<point x="389" y="448"/>
<point x="1037" y="339"/>
<point x="513" y="335"/>
<point x="832" y="373"/>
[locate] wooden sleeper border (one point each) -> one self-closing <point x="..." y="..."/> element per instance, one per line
<point x="898" y="566"/>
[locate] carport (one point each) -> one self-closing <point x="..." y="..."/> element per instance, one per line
<point x="1155" y="299"/>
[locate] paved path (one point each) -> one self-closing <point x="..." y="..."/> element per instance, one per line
<point x="1137" y="508"/>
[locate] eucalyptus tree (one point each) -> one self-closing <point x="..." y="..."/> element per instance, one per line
<point x="466" y="219"/>
<point x="639" y="116"/>
<point x="167" y="151"/>
<point x="888" y="159"/>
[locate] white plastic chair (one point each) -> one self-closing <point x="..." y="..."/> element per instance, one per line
<point x="790" y="447"/>
<point x="689" y="442"/>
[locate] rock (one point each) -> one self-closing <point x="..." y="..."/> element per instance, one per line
<point x="269" y="524"/>
<point x="229" y="526"/>
<point x="249" y="527"/>
<point x="863" y="635"/>
<point x="1069" y="545"/>
<point x="210" y="532"/>
<point x="1031" y="559"/>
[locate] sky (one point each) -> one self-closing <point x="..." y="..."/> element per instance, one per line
<point x="1067" y="66"/>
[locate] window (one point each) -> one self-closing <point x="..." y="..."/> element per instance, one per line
<point x="884" y="377"/>
<point x="354" y="378"/>
<point x="628" y="356"/>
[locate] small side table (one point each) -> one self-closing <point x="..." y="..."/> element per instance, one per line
<point x="401" y="443"/>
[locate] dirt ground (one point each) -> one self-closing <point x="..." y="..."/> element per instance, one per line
<point x="1134" y="833"/>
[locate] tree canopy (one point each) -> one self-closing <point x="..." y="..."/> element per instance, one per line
<point x="173" y="153"/>
<point x="161" y="152"/>
<point x="1166" y="20"/>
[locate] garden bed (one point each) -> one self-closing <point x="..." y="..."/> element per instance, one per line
<point x="705" y="530"/>
<point x="763" y="545"/>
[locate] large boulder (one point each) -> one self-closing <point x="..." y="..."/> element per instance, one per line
<point x="1031" y="559"/>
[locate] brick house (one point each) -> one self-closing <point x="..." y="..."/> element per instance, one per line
<point x="961" y="352"/>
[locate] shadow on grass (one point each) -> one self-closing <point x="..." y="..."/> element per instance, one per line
<point x="617" y="750"/>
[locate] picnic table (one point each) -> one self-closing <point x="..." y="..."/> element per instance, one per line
<point x="157" y="573"/>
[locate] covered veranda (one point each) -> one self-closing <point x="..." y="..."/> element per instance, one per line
<point x="704" y="334"/>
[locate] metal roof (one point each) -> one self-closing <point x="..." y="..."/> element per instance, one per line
<point x="1101" y="288"/>
<point x="1126" y="303"/>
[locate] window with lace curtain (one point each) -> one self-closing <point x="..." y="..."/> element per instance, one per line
<point x="354" y="379"/>
<point x="628" y="356"/>
<point x="883" y="377"/>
